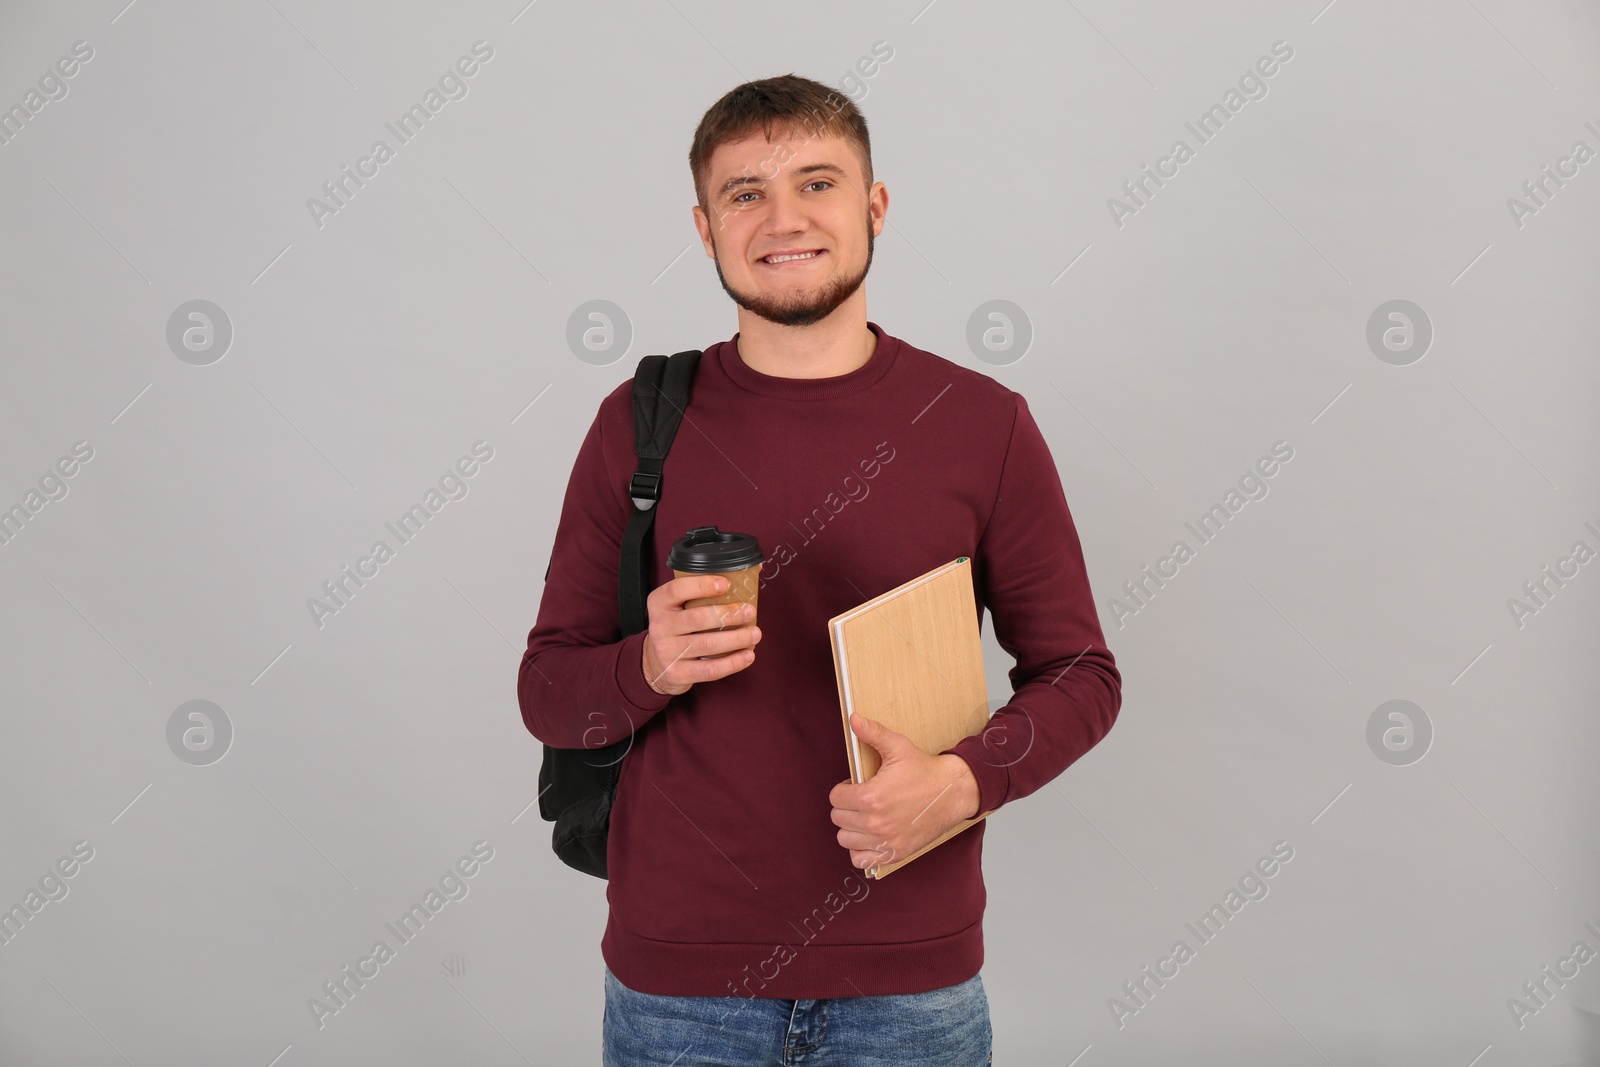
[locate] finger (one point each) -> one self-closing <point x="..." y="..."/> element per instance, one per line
<point x="670" y="595"/>
<point x="715" y="617"/>
<point x="865" y="858"/>
<point x="710" y="643"/>
<point x="848" y="819"/>
<point x="879" y="853"/>
<point x="712" y="647"/>
<point x="696" y="586"/>
<point x="711" y="617"/>
<point x="709" y="670"/>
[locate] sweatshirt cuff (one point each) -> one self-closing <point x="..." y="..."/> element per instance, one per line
<point x="630" y="675"/>
<point x="992" y="774"/>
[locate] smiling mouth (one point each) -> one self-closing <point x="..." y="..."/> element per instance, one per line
<point x="785" y="260"/>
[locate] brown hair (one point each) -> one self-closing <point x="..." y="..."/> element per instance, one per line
<point x="800" y="106"/>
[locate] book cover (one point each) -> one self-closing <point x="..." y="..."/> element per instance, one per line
<point x="912" y="659"/>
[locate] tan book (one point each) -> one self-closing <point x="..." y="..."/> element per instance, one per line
<point x="912" y="659"/>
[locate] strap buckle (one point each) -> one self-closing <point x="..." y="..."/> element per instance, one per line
<point x="645" y="489"/>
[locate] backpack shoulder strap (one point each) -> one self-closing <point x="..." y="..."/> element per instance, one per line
<point x="661" y="387"/>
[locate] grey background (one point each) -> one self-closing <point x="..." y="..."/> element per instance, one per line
<point x="368" y="355"/>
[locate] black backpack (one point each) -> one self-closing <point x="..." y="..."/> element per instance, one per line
<point x="577" y="785"/>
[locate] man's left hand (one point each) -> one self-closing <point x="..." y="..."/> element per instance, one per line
<point x="912" y="799"/>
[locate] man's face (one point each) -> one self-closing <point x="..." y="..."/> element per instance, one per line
<point x="790" y="195"/>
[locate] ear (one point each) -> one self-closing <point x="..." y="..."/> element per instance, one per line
<point x="878" y="207"/>
<point x="702" y="225"/>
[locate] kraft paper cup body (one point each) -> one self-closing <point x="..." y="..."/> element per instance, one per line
<point x="743" y="587"/>
<point x="735" y="556"/>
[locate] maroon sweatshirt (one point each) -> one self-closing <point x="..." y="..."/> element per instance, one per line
<point x="726" y="877"/>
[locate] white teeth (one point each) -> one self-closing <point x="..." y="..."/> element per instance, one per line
<point x="785" y="259"/>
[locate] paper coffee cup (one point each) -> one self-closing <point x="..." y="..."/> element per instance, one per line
<point x="735" y="556"/>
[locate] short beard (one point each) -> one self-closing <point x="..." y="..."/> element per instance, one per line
<point x="804" y="308"/>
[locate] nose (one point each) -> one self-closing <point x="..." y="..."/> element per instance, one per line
<point x="785" y="214"/>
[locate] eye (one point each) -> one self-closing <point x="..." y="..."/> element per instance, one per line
<point x="741" y="196"/>
<point x="820" y="181"/>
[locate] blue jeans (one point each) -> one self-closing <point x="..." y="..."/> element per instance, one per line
<point x="946" y="1027"/>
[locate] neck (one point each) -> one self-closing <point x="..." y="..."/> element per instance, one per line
<point x="837" y="345"/>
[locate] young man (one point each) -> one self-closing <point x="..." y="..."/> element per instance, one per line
<point x="742" y="928"/>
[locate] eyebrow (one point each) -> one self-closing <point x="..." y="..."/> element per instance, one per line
<point x="750" y="179"/>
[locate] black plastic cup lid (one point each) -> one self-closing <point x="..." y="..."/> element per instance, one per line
<point x="708" y="550"/>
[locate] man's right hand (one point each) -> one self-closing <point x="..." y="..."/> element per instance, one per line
<point x="689" y="645"/>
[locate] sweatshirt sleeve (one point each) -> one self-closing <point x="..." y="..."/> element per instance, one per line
<point x="581" y="683"/>
<point x="1029" y="566"/>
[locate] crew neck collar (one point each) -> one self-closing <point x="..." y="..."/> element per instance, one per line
<point x="863" y="377"/>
